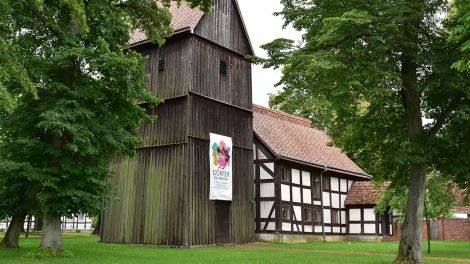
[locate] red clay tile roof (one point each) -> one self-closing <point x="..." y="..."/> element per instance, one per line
<point x="366" y="193"/>
<point x="183" y="16"/>
<point x="292" y="137"/>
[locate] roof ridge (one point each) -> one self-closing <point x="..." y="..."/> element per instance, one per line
<point x="300" y="120"/>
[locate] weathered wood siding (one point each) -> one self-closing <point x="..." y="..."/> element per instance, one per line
<point x="150" y="205"/>
<point x="210" y="116"/>
<point x="175" y="79"/>
<point x="224" y="26"/>
<point x="202" y="214"/>
<point x="234" y="87"/>
<point x="170" y="127"/>
<point x="163" y="192"/>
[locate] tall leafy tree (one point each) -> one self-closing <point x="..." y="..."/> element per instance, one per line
<point x="378" y="76"/>
<point x="88" y="84"/>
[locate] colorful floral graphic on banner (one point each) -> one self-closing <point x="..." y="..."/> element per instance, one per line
<point x="220" y="167"/>
<point x="221" y="154"/>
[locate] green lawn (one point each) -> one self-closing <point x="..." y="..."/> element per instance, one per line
<point x="87" y="250"/>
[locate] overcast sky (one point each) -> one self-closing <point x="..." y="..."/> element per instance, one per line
<point x="264" y="27"/>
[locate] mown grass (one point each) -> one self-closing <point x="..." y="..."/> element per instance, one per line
<point x="86" y="250"/>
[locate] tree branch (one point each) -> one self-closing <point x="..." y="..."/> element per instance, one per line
<point x="453" y="105"/>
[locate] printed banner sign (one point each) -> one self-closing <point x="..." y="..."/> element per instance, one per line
<point x="220" y="156"/>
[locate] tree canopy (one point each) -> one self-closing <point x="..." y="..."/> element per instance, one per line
<point x="386" y="80"/>
<point x="81" y="109"/>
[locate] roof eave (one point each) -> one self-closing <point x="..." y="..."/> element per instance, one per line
<point x="330" y="168"/>
<point x="175" y="32"/>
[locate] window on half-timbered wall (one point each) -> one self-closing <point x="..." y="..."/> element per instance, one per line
<point x="286" y="215"/>
<point x="316" y="188"/>
<point x="285" y="174"/>
<point x="326" y="183"/>
<point x="335" y="216"/>
<point x="316" y="215"/>
<point x="307" y="214"/>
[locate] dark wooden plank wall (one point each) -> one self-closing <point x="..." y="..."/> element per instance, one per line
<point x="234" y="87"/>
<point x="207" y="116"/>
<point x="202" y="214"/>
<point x="150" y="204"/>
<point x="224" y="27"/>
<point x="175" y="80"/>
<point x="170" y="125"/>
<point x="215" y="117"/>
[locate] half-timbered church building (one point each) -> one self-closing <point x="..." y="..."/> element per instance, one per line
<point x="284" y="178"/>
<point x="307" y="189"/>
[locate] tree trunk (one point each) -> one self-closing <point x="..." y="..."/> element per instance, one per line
<point x="410" y="250"/>
<point x="12" y="236"/>
<point x="52" y="234"/>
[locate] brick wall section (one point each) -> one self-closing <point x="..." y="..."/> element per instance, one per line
<point x="448" y="229"/>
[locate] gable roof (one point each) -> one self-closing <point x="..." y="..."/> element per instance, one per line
<point x="185" y="18"/>
<point x="365" y="193"/>
<point x="292" y="138"/>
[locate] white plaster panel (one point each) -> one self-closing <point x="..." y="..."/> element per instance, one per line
<point x="296" y="194"/>
<point x="391" y="229"/>
<point x="308" y="228"/>
<point x="343" y="185"/>
<point x="343" y="217"/>
<point x="354" y="214"/>
<point x="298" y="213"/>
<point x="286" y="227"/>
<point x="327" y="229"/>
<point x="369" y="214"/>
<point x="265" y="209"/>
<point x="341" y="200"/>
<point x="285" y="192"/>
<point x="306" y="178"/>
<point x="343" y="230"/>
<point x="334" y="184"/>
<point x="295" y="176"/>
<point x="354" y="228"/>
<point x="271" y="226"/>
<point x="326" y="198"/>
<point x="270" y="165"/>
<point x="349" y="184"/>
<point x="261" y="155"/>
<point x="335" y="200"/>
<point x="336" y="230"/>
<point x="318" y="229"/>
<point x="264" y="175"/>
<point x="307" y="193"/>
<point x="369" y="228"/>
<point x="317" y="202"/>
<point x="267" y="189"/>
<point x="380" y="228"/>
<point x="326" y="216"/>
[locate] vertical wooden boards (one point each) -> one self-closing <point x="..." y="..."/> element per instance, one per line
<point x="207" y="116"/>
<point x="170" y="125"/>
<point x="234" y="87"/>
<point x="202" y="211"/>
<point x="149" y="207"/>
<point x="224" y="26"/>
<point x="175" y="79"/>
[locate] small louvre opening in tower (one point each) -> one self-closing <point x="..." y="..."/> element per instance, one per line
<point x="223" y="67"/>
<point x="161" y="65"/>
